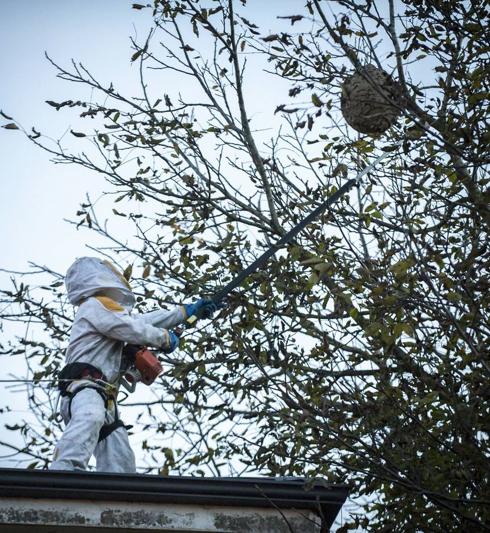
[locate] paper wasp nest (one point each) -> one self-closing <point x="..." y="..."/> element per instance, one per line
<point x="371" y="100"/>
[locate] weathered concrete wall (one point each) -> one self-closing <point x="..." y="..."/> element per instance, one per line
<point x="29" y="515"/>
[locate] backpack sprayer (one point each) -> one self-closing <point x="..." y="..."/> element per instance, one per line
<point x="144" y="365"/>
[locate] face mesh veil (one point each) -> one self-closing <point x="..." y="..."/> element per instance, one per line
<point x="90" y="276"/>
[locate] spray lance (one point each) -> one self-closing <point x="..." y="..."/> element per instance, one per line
<point x="221" y="294"/>
<point x="145" y="366"/>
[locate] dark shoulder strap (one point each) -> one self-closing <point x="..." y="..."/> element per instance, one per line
<point x="73" y="371"/>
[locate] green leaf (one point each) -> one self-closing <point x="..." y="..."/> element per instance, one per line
<point x="400" y="328"/>
<point x="354" y="313"/>
<point x="169" y="455"/>
<point x="391" y="148"/>
<point x="401" y="267"/>
<point x="316" y="101"/>
<point x="137" y="54"/>
<point x="453" y="296"/>
<point x="415" y="133"/>
<point x="363" y="146"/>
<point x="103" y="138"/>
<point x="478" y="97"/>
<point x="429" y="398"/>
<point x="127" y="272"/>
<point x="473" y="27"/>
<point x="312" y="260"/>
<point x="270" y="38"/>
<point x="312" y="280"/>
<point x="11" y="126"/>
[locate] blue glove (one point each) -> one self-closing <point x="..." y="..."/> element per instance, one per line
<point x="202" y="308"/>
<point x="171" y="343"/>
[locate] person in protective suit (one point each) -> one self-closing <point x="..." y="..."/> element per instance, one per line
<point x="94" y="366"/>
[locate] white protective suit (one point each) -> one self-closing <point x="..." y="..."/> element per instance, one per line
<point x="101" y="327"/>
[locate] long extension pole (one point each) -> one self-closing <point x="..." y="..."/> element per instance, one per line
<point x="219" y="295"/>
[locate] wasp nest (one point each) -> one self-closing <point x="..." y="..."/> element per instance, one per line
<point x="371" y="100"/>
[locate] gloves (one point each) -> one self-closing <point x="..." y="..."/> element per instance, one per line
<point x="171" y="342"/>
<point x="202" y="308"/>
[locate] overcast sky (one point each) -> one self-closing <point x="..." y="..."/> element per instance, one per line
<point x="37" y="195"/>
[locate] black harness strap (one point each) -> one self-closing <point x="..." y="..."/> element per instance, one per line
<point x="107" y="429"/>
<point x="75" y="371"/>
<point x="71" y="395"/>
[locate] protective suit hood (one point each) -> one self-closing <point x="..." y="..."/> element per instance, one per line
<point x="90" y="276"/>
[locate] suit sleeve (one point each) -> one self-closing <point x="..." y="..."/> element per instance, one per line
<point x="165" y="319"/>
<point x="117" y="324"/>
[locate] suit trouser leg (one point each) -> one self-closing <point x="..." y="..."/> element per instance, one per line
<point x="81" y="434"/>
<point x="114" y="453"/>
